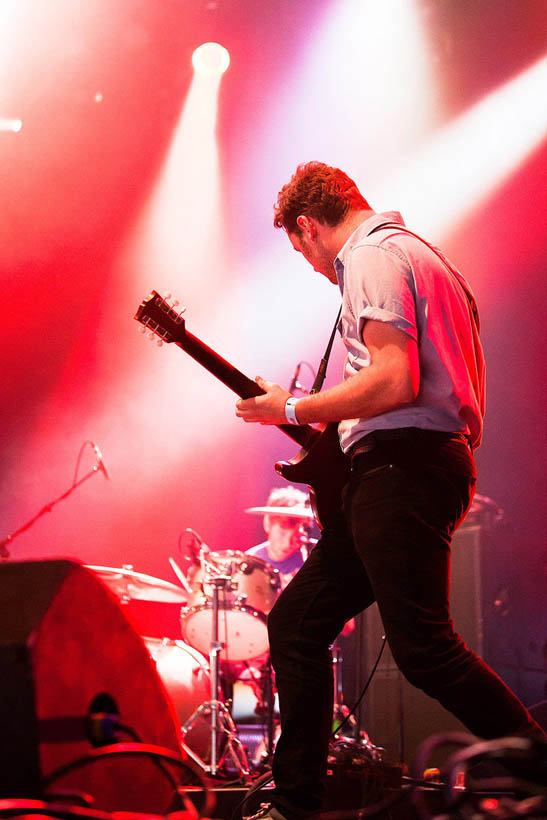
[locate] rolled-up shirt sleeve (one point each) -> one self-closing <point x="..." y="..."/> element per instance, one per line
<point x="380" y="285"/>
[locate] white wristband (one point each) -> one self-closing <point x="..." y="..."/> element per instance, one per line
<point x="290" y="410"/>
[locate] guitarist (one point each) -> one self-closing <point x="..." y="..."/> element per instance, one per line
<point x="410" y="409"/>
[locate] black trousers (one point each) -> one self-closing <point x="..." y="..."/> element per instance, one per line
<point x="391" y="545"/>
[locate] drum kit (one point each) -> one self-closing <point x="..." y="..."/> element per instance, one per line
<point x="220" y="672"/>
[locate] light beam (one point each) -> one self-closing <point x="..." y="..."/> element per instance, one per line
<point x="463" y="163"/>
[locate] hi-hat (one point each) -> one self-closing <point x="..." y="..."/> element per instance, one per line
<point x="136" y="586"/>
<point x="298" y="511"/>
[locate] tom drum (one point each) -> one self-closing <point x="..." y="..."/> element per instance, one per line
<point x="244" y="604"/>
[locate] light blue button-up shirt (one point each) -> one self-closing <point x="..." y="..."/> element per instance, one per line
<point x="391" y="276"/>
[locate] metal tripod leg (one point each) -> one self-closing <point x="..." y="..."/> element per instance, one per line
<point x="340" y="710"/>
<point x="221" y="719"/>
<point x="225" y="725"/>
<point x="269" y="698"/>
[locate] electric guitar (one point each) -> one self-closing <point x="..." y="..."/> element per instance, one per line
<point x="320" y="463"/>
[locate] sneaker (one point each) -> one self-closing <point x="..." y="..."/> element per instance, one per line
<point x="267" y="811"/>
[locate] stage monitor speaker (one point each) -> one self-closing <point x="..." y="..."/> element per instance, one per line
<point x="65" y="644"/>
<point x="539" y="713"/>
<point x="398" y="716"/>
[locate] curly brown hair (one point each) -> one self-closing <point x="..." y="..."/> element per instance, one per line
<point x="318" y="190"/>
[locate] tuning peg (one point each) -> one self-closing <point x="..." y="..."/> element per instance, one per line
<point x="151" y="334"/>
<point x="159" y="343"/>
<point x="142" y="329"/>
<point x="167" y="295"/>
<point x="175" y="303"/>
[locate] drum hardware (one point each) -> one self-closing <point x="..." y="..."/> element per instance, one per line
<point x="191" y="547"/>
<point x="268" y="704"/>
<point x="255" y="711"/>
<point x="180" y="575"/>
<point x="347" y="738"/>
<point x="247" y="599"/>
<point x="340" y="711"/>
<point x="220" y="717"/>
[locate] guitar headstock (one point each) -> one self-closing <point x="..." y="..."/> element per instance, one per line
<point x="161" y="318"/>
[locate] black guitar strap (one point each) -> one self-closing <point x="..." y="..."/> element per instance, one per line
<point x="322" y="371"/>
<point x="457" y="276"/>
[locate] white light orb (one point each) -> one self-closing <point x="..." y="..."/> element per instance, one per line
<point x="210" y="59"/>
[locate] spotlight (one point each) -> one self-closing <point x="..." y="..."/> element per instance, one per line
<point x="7" y="124"/>
<point x="210" y="59"/>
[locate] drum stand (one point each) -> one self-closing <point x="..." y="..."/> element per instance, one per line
<point x="269" y="700"/>
<point x="340" y="710"/>
<point x="221" y="719"/>
<point x="348" y="736"/>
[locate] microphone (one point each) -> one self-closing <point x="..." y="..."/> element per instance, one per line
<point x="100" y="461"/>
<point x="192" y="547"/>
<point x="294" y="382"/>
<point x="197" y="539"/>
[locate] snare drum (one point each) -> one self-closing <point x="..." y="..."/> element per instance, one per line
<point x="243" y="605"/>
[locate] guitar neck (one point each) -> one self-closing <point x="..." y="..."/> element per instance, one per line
<point x="239" y="383"/>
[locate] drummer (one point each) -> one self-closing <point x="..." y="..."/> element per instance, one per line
<point x="288" y="534"/>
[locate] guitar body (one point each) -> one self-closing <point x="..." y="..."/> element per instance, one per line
<point x="325" y="469"/>
<point x="320" y="464"/>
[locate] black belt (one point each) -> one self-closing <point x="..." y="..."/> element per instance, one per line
<point x="368" y="442"/>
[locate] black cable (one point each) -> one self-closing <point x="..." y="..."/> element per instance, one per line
<point x="366" y="686"/>
<point x="352" y="814"/>
<point x="264" y="779"/>
<point x="78" y="460"/>
<point x="310" y="368"/>
<point x="506" y="753"/>
<point x="157" y="762"/>
<point x="422" y="756"/>
<point x="114" y="750"/>
<point x="295" y="384"/>
<point x="16" y="806"/>
<point x="131" y="749"/>
<point x="502" y="752"/>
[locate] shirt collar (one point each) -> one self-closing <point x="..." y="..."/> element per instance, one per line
<point x="363" y="230"/>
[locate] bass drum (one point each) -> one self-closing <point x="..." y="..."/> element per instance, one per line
<point x="184" y="673"/>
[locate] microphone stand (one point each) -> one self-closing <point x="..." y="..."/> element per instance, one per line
<point x="221" y="722"/>
<point x="4" y="552"/>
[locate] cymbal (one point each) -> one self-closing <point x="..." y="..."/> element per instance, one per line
<point x="297" y="511"/>
<point x="136" y="586"/>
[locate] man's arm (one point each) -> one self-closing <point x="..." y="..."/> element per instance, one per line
<point x="391" y="380"/>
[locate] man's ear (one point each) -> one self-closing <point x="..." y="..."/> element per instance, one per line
<point x="306" y="225"/>
<point x="267" y="523"/>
